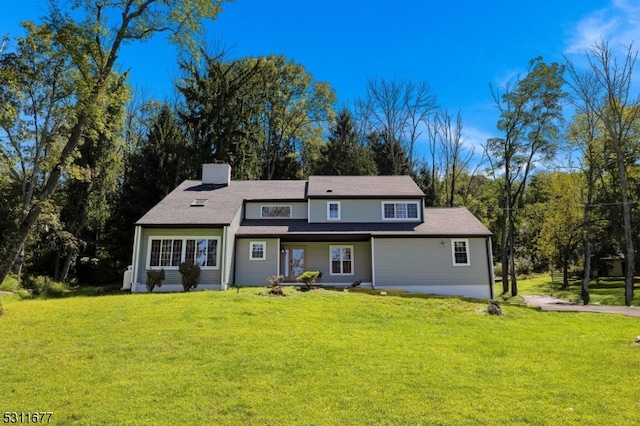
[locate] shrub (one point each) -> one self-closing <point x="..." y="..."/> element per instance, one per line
<point x="154" y="278"/>
<point x="43" y="286"/>
<point x="308" y="277"/>
<point x="190" y="275"/>
<point x="11" y="283"/>
<point x="274" y="285"/>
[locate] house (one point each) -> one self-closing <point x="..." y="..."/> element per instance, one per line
<point x="373" y="229"/>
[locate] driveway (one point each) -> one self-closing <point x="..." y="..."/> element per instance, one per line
<point x="548" y="303"/>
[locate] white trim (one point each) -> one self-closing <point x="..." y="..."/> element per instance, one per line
<point x="276" y="205"/>
<point x="223" y="262"/>
<point x="264" y="250"/>
<point x="353" y="262"/>
<point x="183" y="252"/>
<point x="373" y="264"/>
<point x="453" y="251"/>
<point x="406" y="219"/>
<point x="279" y="256"/>
<point x="329" y="218"/>
<point x="135" y="261"/>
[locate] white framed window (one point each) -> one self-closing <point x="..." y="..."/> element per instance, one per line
<point x="400" y="210"/>
<point x="257" y="250"/>
<point x="170" y="252"/>
<point x="341" y="260"/>
<point x="460" y="252"/>
<point x="272" y="211"/>
<point x="202" y="252"/>
<point x="333" y="210"/>
<point x="164" y="252"/>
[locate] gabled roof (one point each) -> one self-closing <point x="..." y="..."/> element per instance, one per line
<point x="363" y="187"/>
<point x="222" y="202"/>
<point x="438" y="222"/>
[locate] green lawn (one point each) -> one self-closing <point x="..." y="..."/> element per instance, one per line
<point x="313" y="358"/>
<point x="605" y="291"/>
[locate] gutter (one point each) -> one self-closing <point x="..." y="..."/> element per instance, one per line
<point x="490" y="265"/>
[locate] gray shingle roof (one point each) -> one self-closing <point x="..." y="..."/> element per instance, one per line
<point x="439" y="222"/>
<point x="363" y="187"/>
<point x="223" y="202"/>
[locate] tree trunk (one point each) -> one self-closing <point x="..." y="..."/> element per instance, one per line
<point x="16" y="268"/>
<point x="18" y="242"/>
<point x="586" y="242"/>
<point x="64" y="274"/>
<point x="628" y="230"/>
<point x="514" y="284"/>
<point x="565" y="273"/>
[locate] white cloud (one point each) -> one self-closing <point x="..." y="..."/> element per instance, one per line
<point x="617" y="24"/>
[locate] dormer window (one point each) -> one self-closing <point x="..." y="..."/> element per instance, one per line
<point x="399" y="211"/>
<point x="275" y="211"/>
<point x="333" y="210"/>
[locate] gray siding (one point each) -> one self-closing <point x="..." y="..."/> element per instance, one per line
<point x="317" y="259"/>
<point x="425" y="262"/>
<point x="355" y="211"/>
<point x="230" y="251"/>
<point x="208" y="276"/>
<point x="298" y="209"/>
<point x="255" y="272"/>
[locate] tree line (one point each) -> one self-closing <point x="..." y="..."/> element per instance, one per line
<point x="83" y="157"/>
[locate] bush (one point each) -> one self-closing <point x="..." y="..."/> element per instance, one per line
<point x="274" y="285"/>
<point x="41" y="285"/>
<point x="154" y="278"/>
<point x="308" y="277"/>
<point x="11" y="283"/>
<point x="190" y="275"/>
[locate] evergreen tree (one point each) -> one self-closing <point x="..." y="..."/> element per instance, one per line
<point x="388" y="154"/>
<point x="344" y="154"/>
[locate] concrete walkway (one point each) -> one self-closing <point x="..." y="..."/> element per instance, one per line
<point x="548" y="303"/>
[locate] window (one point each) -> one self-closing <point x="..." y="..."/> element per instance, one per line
<point x="333" y="210"/>
<point x="275" y="211"/>
<point x="460" y="252"/>
<point x="168" y="252"/>
<point x="392" y="211"/>
<point x="341" y="258"/>
<point x="202" y="252"/>
<point x="258" y="250"/>
<point x="165" y="252"/>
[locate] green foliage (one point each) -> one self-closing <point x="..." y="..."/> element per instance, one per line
<point x="308" y="277"/>
<point x="264" y="116"/>
<point x="344" y="154"/>
<point x="190" y="275"/>
<point x="154" y="278"/>
<point x="11" y="283"/>
<point x="388" y="154"/>
<point x="40" y="285"/>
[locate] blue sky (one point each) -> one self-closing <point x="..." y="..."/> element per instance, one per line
<point x="459" y="47"/>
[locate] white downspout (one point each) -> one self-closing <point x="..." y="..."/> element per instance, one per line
<point x="223" y="266"/>
<point x="135" y="260"/>
<point x="373" y="264"/>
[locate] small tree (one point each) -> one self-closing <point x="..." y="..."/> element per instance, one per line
<point x="154" y="278"/>
<point x="308" y="277"/>
<point x="190" y="275"/>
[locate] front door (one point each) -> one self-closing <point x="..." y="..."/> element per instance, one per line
<point x="293" y="262"/>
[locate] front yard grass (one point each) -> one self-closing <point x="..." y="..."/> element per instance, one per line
<point x="317" y="357"/>
<point x="605" y="291"/>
